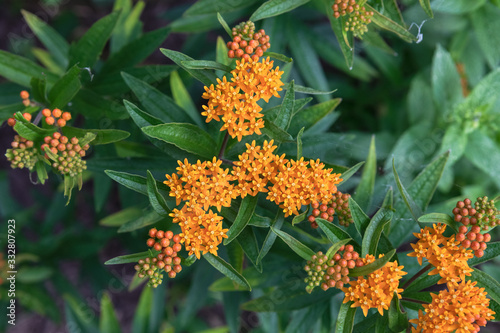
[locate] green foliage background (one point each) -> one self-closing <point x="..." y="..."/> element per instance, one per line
<point x="397" y="104"/>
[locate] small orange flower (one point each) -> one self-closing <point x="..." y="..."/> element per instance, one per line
<point x="377" y="290"/>
<point x="444" y="253"/>
<point x="461" y="309"/>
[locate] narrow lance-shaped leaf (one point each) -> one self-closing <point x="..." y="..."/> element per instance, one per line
<point x="286" y="110"/>
<point x="203" y="75"/>
<point x="126" y="259"/>
<point x="245" y="212"/>
<point x="346" y="46"/>
<point x="438" y="218"/>
<point x="372" y="267"/>
<point x="21" y="70"/>
<point x="414" y="209"/>
<point x="225" y="268"/>
<point x="345" y="319"/>
<point x="148" y="218"/>
<point x="206" y="64"/>
<point x="102" y="137"/>
<point x="224" y="25"/>
<point x="183" y="99"/>
<point x="335" y="247"/>
<point x="275" y="7"/>
<point x="426" y="6"/>
<point x="386" y="23"/>
<point x="271" y="236"/>
<point x="108" y="322"/>
<point x="299" y="248"/>
<point x="135" y="182"/>
<point x="332" y="232"/>
<point x="65" y="88"/>
<point x="486" y="281"/>
<point x="364" y="191"/>
<point x="156" y="200"/>
<point x="351" y="171"/>
<point x="398" y="320"/>
<point x="29" y="131"/>
<point x="374" y="231"/>
<point x="361" y="220"/>
<point x="140" y="323"/>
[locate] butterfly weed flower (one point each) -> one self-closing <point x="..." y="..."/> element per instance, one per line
<point x="247" y="43"/>
<point x="377" y="289"/>
<point x="235" y="101"/>
<point x="461" y="308"/>
<point x="445" y="254"/>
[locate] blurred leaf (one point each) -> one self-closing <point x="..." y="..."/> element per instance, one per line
<point x="102" y="137"/>
<point x="285" y="114"/>
<point x="35" y="298"/>
<point x="184" y="100"/>
<point x="351" y="171"/>
<point x="388" y="24"/>
<point x="155" y="198"/>
<point x="128" y="27"/>
<point x="454" y="140"/>
<point x="185" y="136"/>
<point x="140" y="323"/>
<point x="136" y="182"/>
<point x="129" y="258"/>
<point x="38" y="87"/>
<point x="217" y="6"/>
<point x="271" y="236"/>
<point x="121" y="217"/>
<point x="372" y="267"/>
<point x="93" y="105"/>
<point x="49" y="37"/>
<point x="232" y="312"/>
<point x="294" y="244"/>
<point x="7" y="111"/>
<point x="414" y="209"/>
<point x="426" y="6"/>
<point x="135" y="51"/>
<point x="361" y="220"/>
<point x="47" y="61"/>
<point x="374" y="231"/>
<point x="205" y="64"/>
<point x="438" y="218"/>
<point x="303" y="320"/>
<point x="345" y="319"/>
<point x="87" y="50"/>
<point x="222" y="266"/>
<point x="484" y="154"/>
<point x="82" y="314"/>
<point x="35" y="274"/>
<point x="245" y="212"/>
<point x="155" y="102"/>
<point x="224" y="25"/>
<point x="148" y="218"/>
<point x="108" y="322"/>
<point x="446" y="86"/>
<point x="346" y="42"/>
<point x="457" y="6"/>
<point x="308" y="117"/>
<point x="275" y="7"/>
<point x="334" y="233"/>
<point x="485" y="20"/>
<point x="364" y="191"/>
<point x="485" y="93"/>
<point x="20" y="70"/>
<point x="203" y="75"/>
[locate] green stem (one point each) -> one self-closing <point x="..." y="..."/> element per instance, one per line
<point x="414" y="277"/>
<point x="223" y="146"/>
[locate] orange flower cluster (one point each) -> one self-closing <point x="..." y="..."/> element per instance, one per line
<point x="444" y="253"/>
<point x="201" y="231"/>
<point x="236" y="101"/>
<point x="377" y="290"/>
<point x="463" y="308"/>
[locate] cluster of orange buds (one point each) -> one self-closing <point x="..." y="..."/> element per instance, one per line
<point x="169" y="246"/>
<point x="68" y="154"/>
<point x="56" y="116"/>
<point x="343" y="7"/>
<point x="338" y="204"/>
<point x="148" y="267"/>
<point x="358" y="17"/>
<point x="377" y="289"/>
<point x="480" y="219"/>
<point x="247" y="43"/>
<point x="23" y="154"/>
<point x="11" y="121"/>
<point x="26" y="97"/>
<point x="331" y="273"/>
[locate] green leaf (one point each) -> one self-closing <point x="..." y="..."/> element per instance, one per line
<point x="304" y="319"/>
<point x="88" y="49"/>
<point x="65" y="88"/>
<point x="224" y="25"/>
<point x="78" y="316"/>
<point x="490" y="285"/>
<point x="294" y="244"/>
<point x="203" y="75"/>
<point x="94" y="105"/>
<point x="336" y="246"/>
<point x="49" y="37"/>
<point x="217" y="6"/>
<point x="245" y="213"/>
<point x="274" y="132"/>
<point x="41" y="172"/>
<point x="457" y="6"/>
<point x="446" y="87"/>
<point x="148" y="218"/>
<point x="135" y="182"/>
<point x="156" y="200"/>
<point x="372" y="267"/>
<point x="102" y="137"/>
<point x="121" y="217"/>
<point x="307" y="90"/>
<point x="438" y="218"/>
<point x="278" y="56"/>
<point x="350" y="172"/>
<point x="361" y="220"/>
<point x="374" y="231"/>
<point x="21" y="70"/>
<point x="185" y="136"/>
<point x="299" y="144"/>
<point x="38" y="87"/>
<point x="310" y="116"/>
<point x="271" y="236"/>
<point x="332" y="232"/>
<point x="222" y="266"/>
<point x="485" y="20"/>
<point x="141" y="321"/>
<point x="206" y="64"/>
<point x="426" y="6"/>
<point x="386" y="23"/>
<point x="491" y="252"/>
<point x="364" y="191"/>
<point x="346" y="42"/>
<point x="108" y="322"/>
<point x="135" y="51"/>
<point x="183" y="99"/>
<point x="398" y="320"/>
<point x="345" y="319"/>
<point x="275" y="7"/>
<point x="286" y="110"/>
<point x="301" y="217"/>
<point x="47" y="61"/>
<point x="155" y="102"/>
<point x="248" y="243"/>
<point x="36" y="274"/>
<point x="235" y="254"/>
<point x="421" y="190"/>
<point x="29" y="131"/>
<point x="414" y="209"/>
